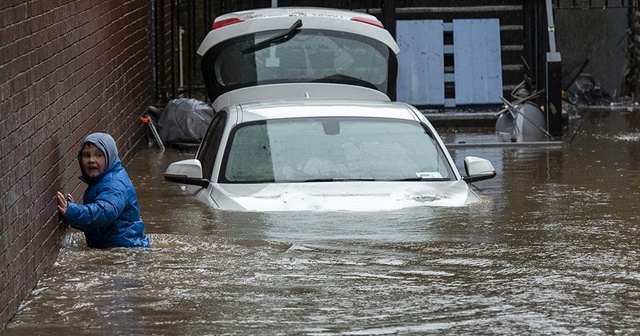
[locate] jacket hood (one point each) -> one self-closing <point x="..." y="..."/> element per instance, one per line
<point x="107" y="145"/>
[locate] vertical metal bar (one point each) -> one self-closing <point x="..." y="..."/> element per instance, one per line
<point x="530" y="40"/>
<point x="206" y="24"/>
<point x="389" y="16"/>
<point x="191" y="37"/>
<point x="554" y="94"/>
<point x="160" y="50"/>
<point x="175" y="27"/>
<point x="553" y="82"/>
<point x="389" y="22"/>
<point x="551" y="28"/>
<point x="153" y="39"/>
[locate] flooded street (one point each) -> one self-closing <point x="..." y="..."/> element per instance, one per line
<point x="552" y="249"/>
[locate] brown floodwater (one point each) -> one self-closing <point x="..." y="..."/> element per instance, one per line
<point x="553" y="248"/>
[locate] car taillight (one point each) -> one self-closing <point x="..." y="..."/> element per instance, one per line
<point x="368" y="21"/>
<point x="226" y="22"/>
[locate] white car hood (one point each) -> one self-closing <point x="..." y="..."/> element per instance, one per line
<point x="339" y="196"/>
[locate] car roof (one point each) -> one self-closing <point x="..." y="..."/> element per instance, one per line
<point x="251" y="21"/>
<point x="295" y="108"/>
<point x="262" y="93"/>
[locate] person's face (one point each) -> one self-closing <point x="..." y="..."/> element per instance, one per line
<point x="93" y="160"/>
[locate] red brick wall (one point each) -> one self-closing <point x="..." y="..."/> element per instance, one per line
<point x="67" y="68"/>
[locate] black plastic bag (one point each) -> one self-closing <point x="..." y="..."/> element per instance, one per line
<point x="184" y="120"/>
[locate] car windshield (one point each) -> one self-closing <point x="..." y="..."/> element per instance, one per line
<point x="333" y="149"/>
<point x="303" y="55"/>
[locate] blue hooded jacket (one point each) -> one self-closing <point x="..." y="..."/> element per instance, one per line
<point x="110" y="214"/>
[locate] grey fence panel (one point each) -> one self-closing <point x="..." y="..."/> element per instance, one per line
<point x="477" y="61"/>
<point x="421" y="62"/>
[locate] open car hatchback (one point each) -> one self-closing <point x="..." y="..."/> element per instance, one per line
<point x="265" y="49"/>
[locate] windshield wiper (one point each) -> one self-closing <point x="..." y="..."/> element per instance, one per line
<point x="337" y="179"/>
<point x="409" y="179"/>
<point x="345" y="79"/>
<point x="282" y="37"/>
<point x="423" y="179"/>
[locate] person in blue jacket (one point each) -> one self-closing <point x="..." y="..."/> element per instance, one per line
<point x="109" y="215"/>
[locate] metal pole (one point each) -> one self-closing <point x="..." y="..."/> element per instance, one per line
<point x="389" y="22"/>
<point x="389" y="16"/>
<point x="180" y="58"/>
<point x="175" y="23"/>
<point x="152" y="22"/>
<point x="553" y="104"/>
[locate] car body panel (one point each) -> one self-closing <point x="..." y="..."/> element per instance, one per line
<point x="338" y="196"/>
<point x="324" y="46"/>
<point x="278" y="92"/>
<point x="267" y="19"/>
<point x="293" y="108"/>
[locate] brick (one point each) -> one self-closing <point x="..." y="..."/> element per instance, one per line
<point x="67" y="68"/>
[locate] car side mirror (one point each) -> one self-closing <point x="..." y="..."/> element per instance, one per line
<point x="186" y="172"/>
<point x="478" y="169"/>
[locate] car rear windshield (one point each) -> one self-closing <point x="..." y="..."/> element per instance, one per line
<point x="303" y="56"/>
<point x="333" y="149"/>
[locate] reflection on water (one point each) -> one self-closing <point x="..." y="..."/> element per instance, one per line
<point x="552" y="249"/>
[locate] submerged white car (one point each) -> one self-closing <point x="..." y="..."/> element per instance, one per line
<point x="321" y="155"/>
<point x="303" y="120"/>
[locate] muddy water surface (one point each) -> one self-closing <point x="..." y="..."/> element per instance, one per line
<point x="552" y="249"/>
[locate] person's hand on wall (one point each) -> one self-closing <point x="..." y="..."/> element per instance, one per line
<point x="62" y="202"/>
